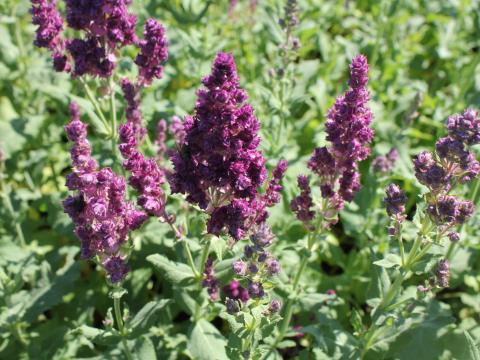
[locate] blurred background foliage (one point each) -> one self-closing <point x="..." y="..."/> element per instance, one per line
<point x="425" y="65"/>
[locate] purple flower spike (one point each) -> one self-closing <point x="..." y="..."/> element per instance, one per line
<point x="99" y="211"/>
<point x="349" y="133"/>
<point x="218" y="166"/>
<point x="153" y="52"/>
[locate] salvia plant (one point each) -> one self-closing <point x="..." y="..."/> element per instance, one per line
<point x="241" y="180"/>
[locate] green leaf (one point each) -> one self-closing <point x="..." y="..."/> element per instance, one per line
<point x="146" y="317"/>
<point x="472" y="347"/>
<point x="144" y="349"/>
<point x="174" y="272"/>
<point x="206" y="342"/>
<point x="98" y="336"/>
<point x="390" y="260"/>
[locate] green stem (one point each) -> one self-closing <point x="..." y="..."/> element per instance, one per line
<point x="11" y="211"/>
<point x="191" y="263"/>
<point x="203" y="260"/>
<point x="450" y="250"/>
<point x="113" y="111"/>
<point x="121" y="327"/>
<point x="94" y="102"/>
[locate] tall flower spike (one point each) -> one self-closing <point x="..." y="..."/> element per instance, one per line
<point x="146" y="175"/>
<point x="219" y="167"/>
<point x="349" y="133"/>
<point x="99" y="211"/>
<point x="153" y="53"/>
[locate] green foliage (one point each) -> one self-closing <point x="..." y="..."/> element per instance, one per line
<point x="425" y="65"/>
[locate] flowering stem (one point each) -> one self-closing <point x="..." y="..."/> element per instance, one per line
<point x="121" y="327"/>
<point x="303" y="264"/>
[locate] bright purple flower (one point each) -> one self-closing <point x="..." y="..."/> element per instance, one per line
<point x="302" y="204"/>
<point x="219" y="167"/>
<point x="235" y="291"/>
<point x="99" y="211"/>
<point x="272" y="195"/>
<point x="50" y="24"/>
<point x="348" y="131"/>
<point x="209" y="280"/>
<point x="385" y="163"/>
<point x="395" y="200"/>
<point x="153" y="52"/>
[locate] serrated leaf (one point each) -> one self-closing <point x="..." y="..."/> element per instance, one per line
<point x="206" y="342"/>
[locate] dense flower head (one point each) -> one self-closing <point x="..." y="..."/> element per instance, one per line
<point x="153" y="52"/>
<point x="218" y="166"/>
<point x="50" y="24"/>
<point x="395" y="200"/>
<point x="303" y="203"/>
<point x="107" y="19"/>
<point x="385" y="163"/>
<point x="450" y="210"/>
<point x="349" y="133"/>
<point x="290" y="19"/>
<point x="99" y="211"/>
<point x="209" y="281"/>
<point x="430" y="173"/>
<point x="465" y="127"/>
<point x="89" y="57"/>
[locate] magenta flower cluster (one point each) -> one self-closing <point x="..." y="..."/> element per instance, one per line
<point x="218" y="166"/>
<point x="146" y="175"/>
<point x="349" y="134"/>
<point x="107" y="26"/>
<point x="451" y="163"/>
<point x="102" y="216"/>
<point x="348" y="131"/>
